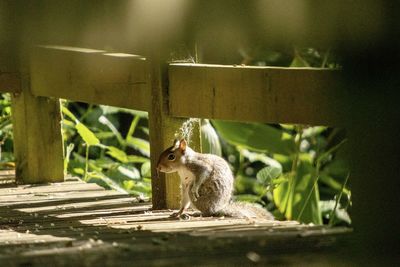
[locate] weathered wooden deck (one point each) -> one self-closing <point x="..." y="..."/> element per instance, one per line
<point x="81" y="224"/>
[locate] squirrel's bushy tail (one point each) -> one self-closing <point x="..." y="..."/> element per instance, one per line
<point x="246" y="210"/>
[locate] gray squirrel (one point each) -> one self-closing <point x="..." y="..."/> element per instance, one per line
<point x="206" y="182"/>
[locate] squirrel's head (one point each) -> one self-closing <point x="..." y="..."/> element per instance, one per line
<point x="172" y="158"/>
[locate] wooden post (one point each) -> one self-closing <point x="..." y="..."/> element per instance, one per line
<point x="165" y="187"/>
<point x="38" y="145"/>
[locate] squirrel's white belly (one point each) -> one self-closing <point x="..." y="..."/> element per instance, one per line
<point x="186" y="176"/>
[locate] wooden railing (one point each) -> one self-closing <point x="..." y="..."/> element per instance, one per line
<point x="170" y="93"/>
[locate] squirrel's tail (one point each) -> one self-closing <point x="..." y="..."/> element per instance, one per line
<point x="246" y="210"/>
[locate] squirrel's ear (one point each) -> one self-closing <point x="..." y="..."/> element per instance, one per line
<point x="182" y="144"/>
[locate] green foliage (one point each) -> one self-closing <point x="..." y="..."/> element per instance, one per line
<point x="88" y="136"/>
<point x="210" y="141"/>
<point x="283" y="167"/>
<point x="6" y="134"/>
<point x="98" y="151"/>
<point x="267" y="175"/>
<point x="258" y="137"/>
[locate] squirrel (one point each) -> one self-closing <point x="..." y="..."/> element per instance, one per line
<point x="206" y="182"/>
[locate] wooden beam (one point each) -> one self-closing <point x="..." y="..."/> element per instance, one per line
<point x="91" y="76"/>
<point x="9" y="82"/>
<point x="165" y="187"/>
<point x="259" y="94"/>
<point x="38" y="145"/>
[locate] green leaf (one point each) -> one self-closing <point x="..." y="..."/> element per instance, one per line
<point x="112" y="110"/>
<point x="105" y="135"/>
<point x="244" y="184"/>
<point x="340" y="214"/>
<point x="68" y="123"/>
<point x="104" y="120"/>
<point x="78" y="171"/>
<point x="105" y="163"/>
<point x="304" y="184"/>
<point x="137" y="159"/>
<point x="326" y="154"/>
<point x="121" y="156"/>
<point x="267" y="174"/>
<point x="289" y="127"/>
<point x="69" y="114"/>
<point x="144" y="130"/>
<point x="284" y="160"/>
<point x="145" y="169"/>
<point x="313" y="131"/>
<point x="128" y="184"/>
<point x="139" y="144"/>
<point x="298" y="61"/>
<point x="117" y="154"/>
<point x="67" y="157"/>
<point x="258" y="137"/>
<point x="279" y="180"/>
<point x="130" y="172"/>
<point x="290" y="197"/>
<point x="332" y="183"/>
<point x="142" y="187"/>
<point x="281" y="195"/>
<point x="253" y="157"/>
<point x="338" y="168"/>
<point x="210" y="140"/>
<point x="87" y="135"/>
<point x="133" y="126"/>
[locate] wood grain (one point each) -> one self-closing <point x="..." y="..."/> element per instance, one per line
<point x="89" y="76"/>
<point x="259" y="94"/>
<point x="38" y="144"/>
<point x="10" y="82"/>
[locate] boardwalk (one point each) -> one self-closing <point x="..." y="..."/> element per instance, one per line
<point x="79" y="224"/>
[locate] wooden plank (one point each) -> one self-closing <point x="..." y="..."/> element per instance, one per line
<point x="91" y="207"/>
<point x="7" y="177"/>
<point x="89" y="229"/>
<point x="40" y="198"/>
<point x="90" y="76"/>
<point x="51" y="188"/>
<point x="163" y="129"/>
<point x="38" y="144"/>
<point x="13" y="237"/>
<point x="10" y="82"/>
<point x="259" y="94"/>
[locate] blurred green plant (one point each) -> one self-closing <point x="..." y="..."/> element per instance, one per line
<point x="286" y="165"/>
<point x="6" y="133"/>
<point x="102" y="153"/>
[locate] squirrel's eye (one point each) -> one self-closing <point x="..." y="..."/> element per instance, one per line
<point x="171" y="157"/>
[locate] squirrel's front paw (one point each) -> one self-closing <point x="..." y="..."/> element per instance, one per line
<point x="180" y="215"/>
<point x="175" y="214"/>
